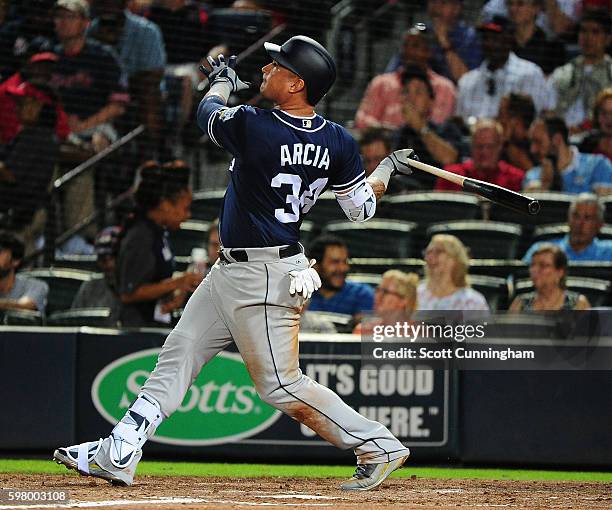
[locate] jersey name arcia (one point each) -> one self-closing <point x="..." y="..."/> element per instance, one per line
<point x="304" y="154"/>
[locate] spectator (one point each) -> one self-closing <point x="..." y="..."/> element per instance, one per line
<point x="501" y="72"/>
<point x="548" y="271"/>
<point x="37" y="72"/>
<point x="336" y="293"/>
<point x="102" y="292"/>
<point x="28" y="162"/>
<point x="578" y="82"/>
<point x="561" y="166"/>
<point x="556" y="17"/>
<point x="140" y="47"/>
<point x="585" y="218"/>
<point x="381" y="105"/>
<point x="395" y="299"/>
<point x="92" y="88"/>
<point x="29" y="33"/>
<point x="435" y="144"/>
<point x="446" y="284"/>
<point x="516" y="113"/>
<point x="147" y="287"/>
<point x="184" y="27"/>
<point x="486" y="165"/>
<point x="530" y="41"/>
<point x="599" y="140"/>
<point x="456" y="48"/>
<point x="18" y="292"/>
<point x="87" y="76"/>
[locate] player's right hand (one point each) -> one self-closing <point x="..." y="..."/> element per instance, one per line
<point x="397" y="161"/>
<point x="224" y="71"/>
<point x="305" y="282"/>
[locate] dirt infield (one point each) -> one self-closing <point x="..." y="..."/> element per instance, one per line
<point x="188" y="493"/>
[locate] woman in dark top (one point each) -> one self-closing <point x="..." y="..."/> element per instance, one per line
<point x="548" y="271"/>
<point x="147" y="287"/>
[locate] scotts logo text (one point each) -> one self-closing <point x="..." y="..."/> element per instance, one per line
<point x="221" y="405"/>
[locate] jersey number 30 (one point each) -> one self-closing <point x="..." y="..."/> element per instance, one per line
<point x="298" y="203"/>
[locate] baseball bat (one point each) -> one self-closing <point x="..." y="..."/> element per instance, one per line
<point x="493" y="192"/>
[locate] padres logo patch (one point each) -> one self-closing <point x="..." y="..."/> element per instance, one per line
<point x="227" y="113"/>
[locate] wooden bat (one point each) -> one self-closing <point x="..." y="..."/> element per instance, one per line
<point x="493" y="192"/>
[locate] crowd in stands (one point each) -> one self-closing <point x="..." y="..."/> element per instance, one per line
<point x="520" y="97"/>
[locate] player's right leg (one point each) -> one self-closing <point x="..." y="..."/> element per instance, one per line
<point x="199" y="335"/>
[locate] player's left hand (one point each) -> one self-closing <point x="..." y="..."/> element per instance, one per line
<point x="224" y="71"/>
<point x="305" y="281"/>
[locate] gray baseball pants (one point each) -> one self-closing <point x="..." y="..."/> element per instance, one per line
<point x="249" y="303"/>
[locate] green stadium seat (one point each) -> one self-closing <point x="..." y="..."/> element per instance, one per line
<point x="375" y="238"/>
<point x="485" y="239"/>
<point x="597" y="291"/>
<point x="21" y="318"/>
<point x="430" y="207"/>
<point x="63" y="285"/>
<point x="193" y="233"/>
<point x="94" y="317"/>
<point x="206" y="205"/>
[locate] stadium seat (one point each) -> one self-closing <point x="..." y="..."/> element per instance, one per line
<point x="430" y="207"/>
<point x="83" y="262"/>
<point x="342" y="322"/>
<point x="369" y="279"/>
<point x="206" y="205"/>
<point x="607" y="202"/>
<point x="63" y="285"/>
<point x="485" y="239"/>
<point x="21" y="318"/>
<point x="493" y="288"/>
<point x="554" y="207"/>
<point x="591" y="269"/>
<point x="94" y="317"/>
<point x="546" y="232"/>
<point x="502" y="268"/>
<point x="308" y="231"/>
<point x="374" y="265"/>
<point x="375" y="238"/>
<point x="597" y="291"/>
<point x="193" y="233"/>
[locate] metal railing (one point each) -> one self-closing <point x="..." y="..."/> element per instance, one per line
<point x="52" y="238"/>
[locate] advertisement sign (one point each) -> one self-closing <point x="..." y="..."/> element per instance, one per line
<point x="221" y="405"/>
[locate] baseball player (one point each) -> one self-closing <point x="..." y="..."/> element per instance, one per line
<point x="284" y="159"/>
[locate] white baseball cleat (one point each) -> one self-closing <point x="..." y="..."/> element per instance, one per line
<point x="94" y="458"/>
<point x="370" y="476"/>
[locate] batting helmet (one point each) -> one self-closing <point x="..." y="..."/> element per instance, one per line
<point x="310" y="61"/>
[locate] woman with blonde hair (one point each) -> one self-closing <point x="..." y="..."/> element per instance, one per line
<point x="446" y="285"/>
<point x="395" y="299"/>
<point x="548" y="271"/>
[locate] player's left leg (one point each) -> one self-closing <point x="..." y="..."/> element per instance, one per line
<point x="265" y="329"/>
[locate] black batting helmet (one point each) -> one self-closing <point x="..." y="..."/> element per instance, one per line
<point x="310" y="61"/>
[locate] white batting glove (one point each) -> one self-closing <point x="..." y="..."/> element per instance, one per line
<point x="397" y="161"/>
<point x="305" y="281"/>
<point x="222" y="71"/>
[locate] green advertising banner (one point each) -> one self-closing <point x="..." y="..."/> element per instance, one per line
<point x="221" y="406"/>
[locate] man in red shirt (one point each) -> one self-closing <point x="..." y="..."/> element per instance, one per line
<point x="485" y="165"/>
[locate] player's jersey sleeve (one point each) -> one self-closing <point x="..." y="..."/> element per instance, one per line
<point x="227" y="127"/>
<point x="349" y="170"/>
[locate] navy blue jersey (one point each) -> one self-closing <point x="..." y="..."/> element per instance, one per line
<point x="281" y="165"/>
